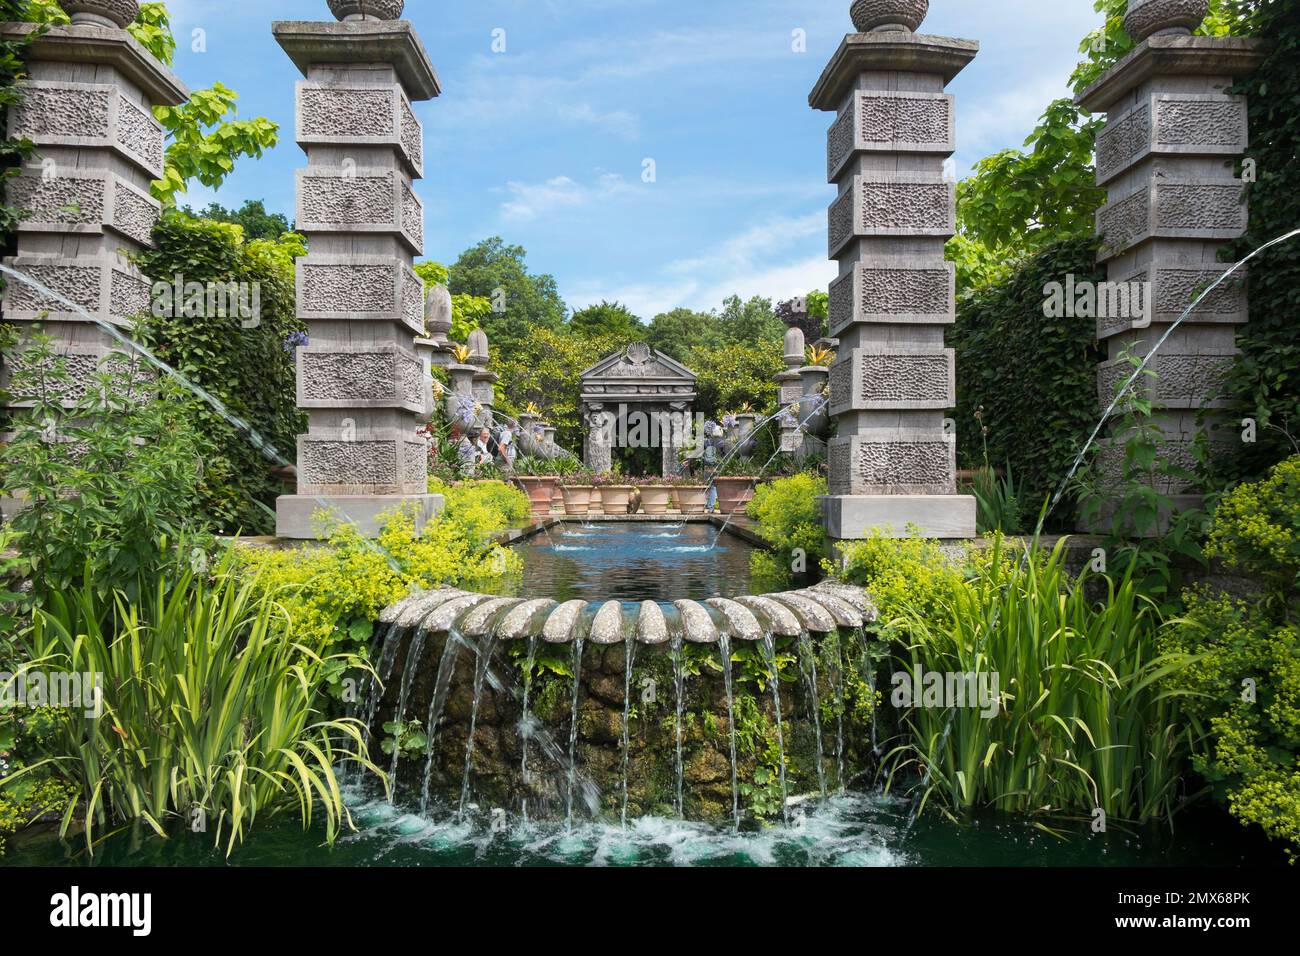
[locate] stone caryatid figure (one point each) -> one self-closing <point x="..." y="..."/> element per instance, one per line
<point x="1166" y="158"/>
<point x="360" y="380"/>
<point x="83" y="196"/>
<point x="893" y="459"/>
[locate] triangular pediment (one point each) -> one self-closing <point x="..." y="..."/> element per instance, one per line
<point x="639" y="362"/>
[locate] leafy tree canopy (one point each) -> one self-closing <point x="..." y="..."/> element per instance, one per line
<point x="608" y="318"/>
<point x="520" y="300"/>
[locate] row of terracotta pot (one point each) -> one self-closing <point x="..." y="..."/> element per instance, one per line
<point x="546" y="495"/>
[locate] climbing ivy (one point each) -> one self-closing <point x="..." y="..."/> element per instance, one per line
<point x="1264" y="384"/>
<point x="1031" y="378"/>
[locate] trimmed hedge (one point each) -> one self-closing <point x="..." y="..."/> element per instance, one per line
<point x="1034" y="377"/>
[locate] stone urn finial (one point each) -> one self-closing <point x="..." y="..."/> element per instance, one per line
<point x="367" y="9"/>
<point x="888" y="16"/>
<point x="1148" y="18"/>
<point x="103" y="13"/>
<point x="478" y="348"/>
<point x="795" y="350"/>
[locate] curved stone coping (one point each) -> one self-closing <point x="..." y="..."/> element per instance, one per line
<point x="820" y="609"/>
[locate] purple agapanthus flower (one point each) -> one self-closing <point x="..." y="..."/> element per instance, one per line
<point x="296" y="340"/>
<point x="465" y="406"/>
<point x="729" y="421"/>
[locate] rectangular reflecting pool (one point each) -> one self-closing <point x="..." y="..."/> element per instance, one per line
<point x="632" y="562"/>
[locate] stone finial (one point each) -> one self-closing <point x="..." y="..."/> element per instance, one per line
<point x="794" y="348"/>
<point x="437" y="310"/>
<point x="478" y="347"/>
<point x="104" y="13"/>
<point x="1148" y="18"/>
<point x="367" y="9"/>
<point x="888" y="16"/>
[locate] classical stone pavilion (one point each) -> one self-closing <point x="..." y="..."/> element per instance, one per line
<point x="893" y="458"/>
<point x="635" y="386"/>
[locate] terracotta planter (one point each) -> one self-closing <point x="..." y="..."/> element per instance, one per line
<point x="654" y="499"/>
<point x="577" y="499"/>
<point x="595" y="507"/>
<point x="691" y="500"/>
<point x="557" y="497"/>
<point x="734" y="494"/>
<point x="540" y="491"/>
<point x="614" y="499"/>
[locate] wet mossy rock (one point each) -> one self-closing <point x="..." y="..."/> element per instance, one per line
<point x="604" y="688"/>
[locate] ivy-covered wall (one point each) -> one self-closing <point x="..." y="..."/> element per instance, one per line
<point x="1265" y="382"/>
<point x="1031" y="378"/>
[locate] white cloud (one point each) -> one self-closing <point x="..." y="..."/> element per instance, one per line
<point x="530" y="200"/>
<point x="770" y="259"/>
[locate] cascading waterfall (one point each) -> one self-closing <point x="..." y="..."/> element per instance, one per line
<point x="573" y="733"/>
<point x="630" y="654"/>
<point x="678" y="680"/>
<point x="769" y="648"/>
<point x="441" y="686"/>
<point x="482" y="662"/>
<point x="839" y="711"/>
<point x="808" y="670"/>
<point x="408" y="676"/>
<point x="388" y="657"/>
<point x="724" y="647"/>
<point x="525" y="724"/>
<point x="869" y="669"/>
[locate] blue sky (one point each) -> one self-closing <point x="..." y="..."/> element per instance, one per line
<point x="544" y="144"/>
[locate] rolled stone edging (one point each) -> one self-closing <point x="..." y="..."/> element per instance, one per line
<point x="823" y="608"/>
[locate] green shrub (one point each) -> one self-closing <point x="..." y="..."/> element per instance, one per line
<point x="112" y="483"/>
<point x="334" y="592"/>
<point x="789" y="520"/>
<point x="1245" y="685"/>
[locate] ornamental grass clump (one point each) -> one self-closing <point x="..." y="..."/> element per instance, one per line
<point x="211" y="710"/>
<point x="1081" y="720"/>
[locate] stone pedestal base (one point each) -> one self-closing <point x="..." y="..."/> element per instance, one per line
<point x="854" y="517"/>
<point x="294" y="514"/>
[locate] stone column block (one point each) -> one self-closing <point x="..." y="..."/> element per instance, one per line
<point x="893" y="460"/>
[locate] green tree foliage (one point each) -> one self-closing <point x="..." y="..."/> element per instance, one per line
<point x="677" y="332"/>
<point x="203" y="142"/>
<point x="248" y="364"/>
<point x="749" y="322"/>
<point x="252" y="217"/>
<point x="520" y="300"/>
<point x="1033" y="376"/>
<point x="731" y="376"/>
<point x="544" y="369"/>
<point x="1244" y="687"/>
<point x="1265" y="380"/>
<point x="608" y="318"/>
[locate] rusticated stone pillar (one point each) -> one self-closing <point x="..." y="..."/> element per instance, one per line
<point x="83" y="196"/>
<point x="1166" y="158"/>
<point x="360" y="378"/>
<point x="893" y="460"/>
